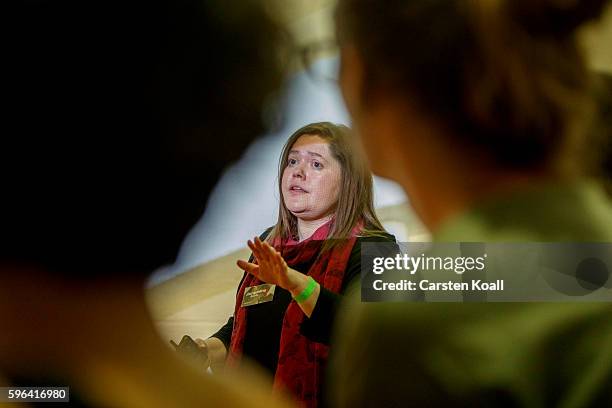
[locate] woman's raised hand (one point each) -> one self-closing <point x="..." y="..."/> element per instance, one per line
<point x="271" y="267"/>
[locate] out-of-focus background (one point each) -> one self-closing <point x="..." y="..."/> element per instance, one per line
<point x="196" y="295"/>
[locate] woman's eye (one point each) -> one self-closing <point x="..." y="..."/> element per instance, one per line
<point x="291" y="162"/>
<point x="317" y="165"/>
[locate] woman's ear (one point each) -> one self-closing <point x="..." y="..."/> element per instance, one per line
<point x="351" y="79"/>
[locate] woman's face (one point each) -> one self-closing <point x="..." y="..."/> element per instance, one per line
<point x="311" y="179"/>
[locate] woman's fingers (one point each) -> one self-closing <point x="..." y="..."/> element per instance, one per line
<point x="267" y="257"/>
<point x="276" y="259"/>
<point x="273" y="256"/>
<point x="270" y="267"/>
<point x="257" y="251"/>
<point x="253" y="247"/>
<point x="266" y="248"/>
<point x="248" y="267"/>
<point x="268" y="252"/>
<point x="272" y="253"/>
<point x="262" y="249"/>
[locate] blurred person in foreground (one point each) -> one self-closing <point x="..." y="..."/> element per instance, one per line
<point x="481" y="110"/>
<point x="122" y="117"/>
<point x="603" y="125"/>
<point x="300" y="268"/>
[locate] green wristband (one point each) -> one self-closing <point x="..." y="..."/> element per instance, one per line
<point x="305" y="294"/>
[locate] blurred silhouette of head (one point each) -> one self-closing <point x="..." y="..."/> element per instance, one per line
<point x="603" y="125"/>
<point x="504" y="78"/>
<point x="123" y="115"/>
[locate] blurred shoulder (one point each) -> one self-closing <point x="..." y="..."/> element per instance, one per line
<point x="375" y="236"/>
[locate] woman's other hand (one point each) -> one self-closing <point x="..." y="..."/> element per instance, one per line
<point x="194" y="351"/>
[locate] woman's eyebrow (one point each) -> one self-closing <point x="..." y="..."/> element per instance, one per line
<point x="309" y="152"/>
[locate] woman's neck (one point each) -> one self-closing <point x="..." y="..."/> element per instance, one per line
<point x="307" y="227"/>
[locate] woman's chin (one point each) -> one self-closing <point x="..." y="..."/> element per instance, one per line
<point x="296" y="206"/>
<point x="298" y="211"/>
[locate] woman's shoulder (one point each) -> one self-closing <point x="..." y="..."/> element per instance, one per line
<point x="376" y="236"/>
<point x="266" y="232"/>
<point x="381" y="237"/>
<point x="371" y="236"/>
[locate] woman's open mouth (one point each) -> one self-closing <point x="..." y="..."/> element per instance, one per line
<point x="297" y="189"/>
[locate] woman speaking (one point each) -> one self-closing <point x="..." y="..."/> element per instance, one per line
<point x="287" y="299"/>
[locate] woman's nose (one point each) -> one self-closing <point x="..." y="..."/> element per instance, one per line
<point x="298" y="171"/>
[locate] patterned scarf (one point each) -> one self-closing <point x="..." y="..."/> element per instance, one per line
<point x="301" y="362"/>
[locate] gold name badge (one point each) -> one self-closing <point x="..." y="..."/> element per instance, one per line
<point x="254" y="295"/>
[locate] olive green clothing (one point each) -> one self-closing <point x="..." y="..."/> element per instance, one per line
<point x="486" y="354"/>
<point x="552" y="213"/>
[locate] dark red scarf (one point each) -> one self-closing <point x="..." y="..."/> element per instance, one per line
<point x="301" y="362"/>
